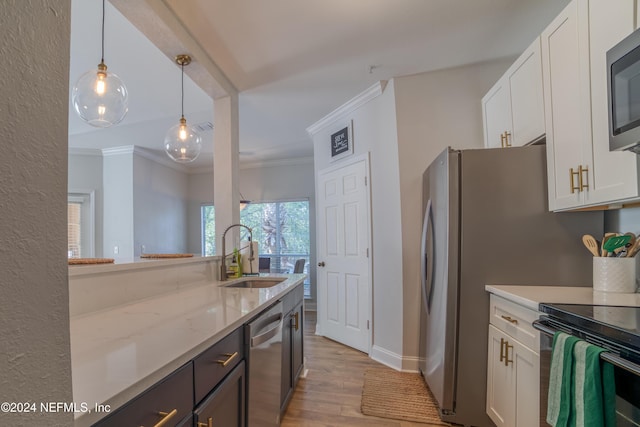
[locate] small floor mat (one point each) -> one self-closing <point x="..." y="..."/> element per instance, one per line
<point x="398" y="395"/>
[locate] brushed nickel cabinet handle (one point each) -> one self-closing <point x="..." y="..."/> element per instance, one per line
<point x="230" y="357"/>
<point x="581" y="182"/>
<point x="510" y="319"/>
<point x="573" y="186"/>
<point x="506" y="353"/>
<point x="209" y="423"/>
<point x="295" y="321"/>
<point x="507" y="134"/>
<point x="166" y="416"/>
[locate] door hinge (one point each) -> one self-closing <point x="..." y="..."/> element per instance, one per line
<point x="365" y="181"/>
<point x="367" y="324"/>
<point x="367" y="252"/>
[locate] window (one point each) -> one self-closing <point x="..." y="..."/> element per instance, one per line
<point x="280" y="228"/>
<point x="208" y="230"/>
<point x="80" y="225"/>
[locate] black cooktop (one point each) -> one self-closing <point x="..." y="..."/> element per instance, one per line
<point x="620" y="325"/>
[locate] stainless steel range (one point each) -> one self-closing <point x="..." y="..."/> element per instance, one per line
<point x="614" y="328"/>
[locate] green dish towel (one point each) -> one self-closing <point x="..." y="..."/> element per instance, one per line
<point x="581" y="385"/>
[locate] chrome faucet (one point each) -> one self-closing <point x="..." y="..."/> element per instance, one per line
<point x="223" y="266"/>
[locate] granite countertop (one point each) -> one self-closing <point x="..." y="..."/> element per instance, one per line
<point x="119" y="352"/>
<point x="532" y="296"/>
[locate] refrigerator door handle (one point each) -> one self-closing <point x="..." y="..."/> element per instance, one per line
<point x="426" y="258"/>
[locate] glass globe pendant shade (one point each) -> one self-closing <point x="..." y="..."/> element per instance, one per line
<point x="100" y="98"/>
<point x="182" y="143"/>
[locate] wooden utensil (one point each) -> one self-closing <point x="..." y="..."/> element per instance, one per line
<point x="633" y="249"/>
<point x="591" y="244"/>
<point x="606" y="237"/>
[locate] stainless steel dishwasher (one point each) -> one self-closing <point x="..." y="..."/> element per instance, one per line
<point x="265" y="366"/>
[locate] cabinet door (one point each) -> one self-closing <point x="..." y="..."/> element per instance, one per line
<point x="527" y="101"/>
<point x="615" y="174"/>
<point x="496" y="114"/>
<point x="513" y="376"/>
<point x="286" y="387"/>
<point x="225" y="406"/>
<point x="297" y="343"/>
<point x="527" y="393"/>
<point x="565" y="66"/>
<point x="501" y="382"/>
<point x="170" y="400"/>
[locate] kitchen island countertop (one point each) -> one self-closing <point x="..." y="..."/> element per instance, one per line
<point x="119" y="352"/>
<point x="532" y="296"/>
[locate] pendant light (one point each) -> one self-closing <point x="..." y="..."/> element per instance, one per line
<point x="182" y="143"/>
<point x="99" y="97"/>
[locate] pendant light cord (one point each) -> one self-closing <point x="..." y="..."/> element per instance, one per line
<point x="182" y="91"/>
<point x="102" y="56"/>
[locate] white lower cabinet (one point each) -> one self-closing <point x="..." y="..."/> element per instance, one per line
<point x="513" y="368"/>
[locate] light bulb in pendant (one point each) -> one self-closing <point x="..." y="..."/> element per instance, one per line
<point x="182" y="142"/>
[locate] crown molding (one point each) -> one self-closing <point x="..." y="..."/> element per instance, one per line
<point x="276" y="163"/>
<point x="75" y="151"/>
<point x="353" y="104"/>
<point x="147" y="154"/>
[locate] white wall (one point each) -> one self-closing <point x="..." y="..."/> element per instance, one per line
<point x="85" y="175"/>
<point x="159" y="207"/>
<point x="200" y="192"/>
<point x="374" y="132"/>
<point x="117" y="181"/>
<point x="434" y="110"/>
<point x="34" y="330"/>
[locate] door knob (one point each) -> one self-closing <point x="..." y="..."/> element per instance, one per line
<point x="321" y="264"/>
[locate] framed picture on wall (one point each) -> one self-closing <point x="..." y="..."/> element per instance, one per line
<point x="342" y="141"/>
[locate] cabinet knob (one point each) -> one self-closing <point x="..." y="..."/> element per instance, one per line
<point x="321" y="264"/>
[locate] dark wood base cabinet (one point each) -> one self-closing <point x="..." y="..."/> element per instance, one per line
<point x="292" y="345"/>
<point x="210" y="389"/>
<point x="225" y="406"/>
<point x="218" y="377"/>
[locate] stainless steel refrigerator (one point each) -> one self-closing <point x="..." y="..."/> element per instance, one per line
<point x="486" y="221"/>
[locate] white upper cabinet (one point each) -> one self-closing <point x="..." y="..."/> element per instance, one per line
<point x="513" y="110"/>
<point x="581" y="170"/>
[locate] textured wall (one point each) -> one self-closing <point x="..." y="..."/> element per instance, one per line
<point x="34" y="306"/>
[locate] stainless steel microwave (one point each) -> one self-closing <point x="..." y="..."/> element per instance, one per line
<point x="623" y="74"/>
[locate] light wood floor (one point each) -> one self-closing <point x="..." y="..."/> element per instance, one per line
<point x="330" y="394"/>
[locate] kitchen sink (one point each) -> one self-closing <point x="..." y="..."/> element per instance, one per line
<point x="255" y="283"/>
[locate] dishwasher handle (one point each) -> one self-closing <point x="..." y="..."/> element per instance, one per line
<point x="266" y="336"/>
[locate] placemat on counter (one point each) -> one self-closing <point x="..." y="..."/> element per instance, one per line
<point x="87" y="261"/>
<point x="166" y="255"/>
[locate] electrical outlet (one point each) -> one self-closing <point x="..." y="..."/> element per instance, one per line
<point x="116" y="250"/>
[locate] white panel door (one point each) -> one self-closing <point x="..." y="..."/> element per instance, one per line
<point x="344" y="284"/>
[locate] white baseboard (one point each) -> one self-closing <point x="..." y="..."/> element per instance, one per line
<point x="394" y="360"/>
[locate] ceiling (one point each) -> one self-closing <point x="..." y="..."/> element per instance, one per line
<point x="292" y="61"/>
